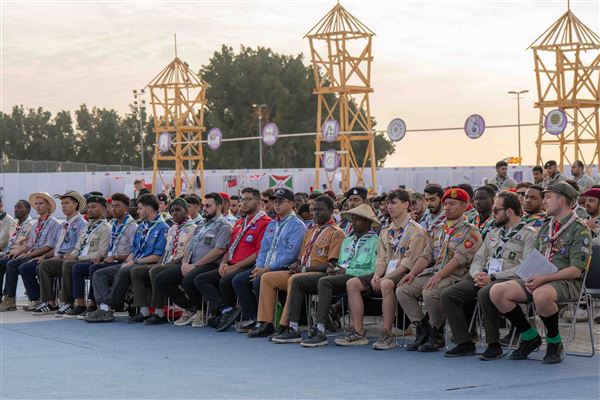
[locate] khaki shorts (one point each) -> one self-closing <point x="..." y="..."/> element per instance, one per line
<point x="366" y="282"/>
<point x="565" y="290"/>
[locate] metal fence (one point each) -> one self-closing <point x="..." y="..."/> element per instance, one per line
<point x="30" y="166"/>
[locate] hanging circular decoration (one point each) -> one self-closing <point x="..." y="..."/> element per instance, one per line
<point x="330" y="130"/>
<point x="270" y="133"/>
<point x="164" y="142"/>
<point x="556" y="121"/>
<point x="330" y="160"/>
<point x="474" y="126"/>
<point x="214" y="138"/>
<point x="396" y="130"/>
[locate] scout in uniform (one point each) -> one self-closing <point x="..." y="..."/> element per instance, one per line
<point x="354" y="197"/>
<point x="566" y="242"/>
<point x="496" y="260"/>
<point x="584" y="181"/>
<point x="592" y="206"/>
<point x="434" y="215"/>
<point x="534" y="216"/>
<point x="450" y="249"/>
<point x="502" y="181"/>
<point x="551" y="173"/>
<point x="484" y="201"/>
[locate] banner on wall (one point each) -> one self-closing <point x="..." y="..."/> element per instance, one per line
<point x="277" y="181"/>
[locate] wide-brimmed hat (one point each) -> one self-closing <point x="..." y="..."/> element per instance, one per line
<point x="44" y="195"/>
<point x="364" y="211"/>
<point x="79" y="199"/>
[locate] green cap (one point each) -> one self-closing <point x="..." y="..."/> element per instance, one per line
<point x="179" y="202"/>
<point x="96" y="199"/>
<point x="563" y="188"/>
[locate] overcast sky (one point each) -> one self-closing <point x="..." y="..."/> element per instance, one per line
<point x="435" y="62"/>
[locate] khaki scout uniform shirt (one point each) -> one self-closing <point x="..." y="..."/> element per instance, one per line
<point x="584" y="183"/>
<point x="399" y="247"/>
<point x="596" y="232"/>
<point x="321" y="244"/>
<point x="516" y="246"/>
<point x="93" y="242"/>
<point x="503" y="184"/>
<point x="178" y="237"/>
<point x="6" y="225"/>
<point x="460" y="241"/>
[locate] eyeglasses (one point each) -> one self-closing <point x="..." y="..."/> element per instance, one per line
<point x="281" y="201"/>
<point x="246" y="199"/>
<point x="521" y="194"/>
<point x="495" y="210"/>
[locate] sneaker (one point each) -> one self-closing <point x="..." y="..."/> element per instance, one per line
<point x="435" y="341"/>
<point x="199" y="320"/>
<point x="8" y="304"/>
<point x="315" y="339"/>
<point x="228" y="319"/>
<point x="88" y="310"/>
<point x="44" y="309"/>
<point x="65" y="308"/>
<point x="186" y="318"/>
<point x="353" y="338"/>
<point x="213" y="321"/>
<point x="421" y="337"/>
<point x="385" y="342"/>
<point x="75" y="312"/>
<point x="462" y="350"/>
<point x="553" y="353"/>
<point x="493" y="352"/>
<point x="280" y="331"/>
<point x="155" y="319"/>
<point x="32" y="305"/>
<point x="100" y="315"/>
<point x="525" y="348"/>
<point x="246" y="326"/>
<point x="262" y="329"/>
<point x="505" y="341"/>
<point x="288" y="336"/>
<point x="137" y="318"/>
<point x="581" y="315"/>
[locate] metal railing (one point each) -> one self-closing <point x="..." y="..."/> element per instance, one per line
<point x="30" y="166"/>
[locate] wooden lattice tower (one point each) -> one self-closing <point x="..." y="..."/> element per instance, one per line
<point x="178" y="102"/>
<point x="340" y="47"/>
<point x="567" y="66"/>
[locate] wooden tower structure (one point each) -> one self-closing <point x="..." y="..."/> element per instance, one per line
<point x="178" y="98"/>
<point x="340" y="48"/>
<point x="567" y="67"/>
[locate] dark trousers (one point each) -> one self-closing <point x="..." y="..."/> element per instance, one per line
<point x="302" y="285"/>
<point x="80" y="272"/>
<point x="57" y="268"/>
<point x="170" y="281"/>
<point x="143" y="282"/>
<point x="328" y="287"/>
<point x="120" y="286"/>
<point x="454" y="299"/>
<point x="3" y="262"/>
<point x="217" y="290"/>
<point x="28" y="271"/>
<point x="248" y="292"/>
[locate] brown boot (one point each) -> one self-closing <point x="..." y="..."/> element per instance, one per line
<point x="8" y="304"/>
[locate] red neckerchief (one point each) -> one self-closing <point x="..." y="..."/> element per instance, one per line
<point x="316" y="234"/>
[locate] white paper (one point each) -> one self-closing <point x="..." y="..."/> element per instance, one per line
<point x="391" y="267"/>
<point x="535" y="264"/>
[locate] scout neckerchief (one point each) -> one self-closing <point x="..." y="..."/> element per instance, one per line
<point x="64" y="237"/>
<point x="116" y="231"/>
<point x="534" y="217"/>
<point x="15" y="234"/>
<point x="245" y="226"/>
<point x="173" y="244"/>
<point x="396" y="242"/>
<point x="280" y="224"/>
<point x="147" y="228"/>
<point x="500" y="181"/>
<point x="505" y="236"/>
<point x="554" y="231"/>
<point x="39" y="228"/>
<point x="445" y="235"/>
<point x="88" y="234"/>
<point x="319" y="229"/>
<point x="2" y="215"/>
<point x="348" y="228"/>
<point x="435" y="221"/>
<point x="357" y="241"/>
<point x="200" y="233"/>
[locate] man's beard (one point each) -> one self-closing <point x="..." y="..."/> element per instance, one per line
<point x="500" y="223"/>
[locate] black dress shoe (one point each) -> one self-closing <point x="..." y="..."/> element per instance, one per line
<point x="422" y="335"/>
<point x="214" y="321"/>
<point x="137" y="318"/>
<point x="493" y="352"/>
<point x="435" y="341"/>
<point x="155" y="320"/>
<point x="228" y="319"/>
<point x="553" y="353"/>
<point x="525" y="348"/>
<point x="261" y="330"/>
<point x="462" y="350"/>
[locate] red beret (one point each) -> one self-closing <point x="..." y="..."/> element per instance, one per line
<point x="224" y="195"/>
<point x="593" y="192"/>
<point x="457" y="194"/>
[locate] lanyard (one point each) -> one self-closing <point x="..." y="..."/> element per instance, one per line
<point x="356" y="243"/>
<point x="272" y="253"/>
<point x="203" y="229"/>
<point x="448" y="233"/>
<point x="305" y="260"/>
<point x="396" y="242"/>
<point x="39" y="228"/>
<point x="117" y="231"/>
<point x="146" y="233"/>
<point x="245" y="226"/>
<point x="91" y="229"/>
<point x="504" y="238"/>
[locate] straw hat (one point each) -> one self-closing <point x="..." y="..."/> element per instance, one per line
<point x="44" y="195"/>
<point x="79" y="199"/>
<point x="364" y="211"/>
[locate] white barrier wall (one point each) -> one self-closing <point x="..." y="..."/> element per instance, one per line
<point x="15" y="186"/>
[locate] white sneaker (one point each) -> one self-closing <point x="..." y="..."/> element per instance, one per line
<point x="581" y="315"/>
<point x="199" y="320"/>
<point x="185" y="319"/>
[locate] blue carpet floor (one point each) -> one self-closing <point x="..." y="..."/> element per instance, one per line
<point x="76" y="360"/>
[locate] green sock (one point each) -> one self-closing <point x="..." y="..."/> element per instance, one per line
<point x="529" y="334"/>
<point x="556" y="339"/>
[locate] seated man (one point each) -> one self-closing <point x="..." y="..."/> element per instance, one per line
<point x="6" y="225"/>
<point x="450" y="249"/>
<point x="354" y="198"/>
<point x="357" y="258"/>
<point x="18" y="237"/>
<point x="532" y="206"/>
<point x="122" y="231"/>
<point x="278" y="249"/>
<point x="320" y="248"/>
<point x="566" y="242"/>
<point x="400" y="244"/>
<point x="216" y="286"/>
<point x="484" y="201"/>
<point x="496" y="260"/>
<point x="111" y="283"/>
<point x="203" y="254"/>
<point x="592" y="206"/>
<point x="92" y="243"/>
<point x="143" y="277"/>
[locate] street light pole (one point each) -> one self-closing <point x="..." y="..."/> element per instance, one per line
<point x="518" y="94"/>
<point x="260" y="150"/>
<point x="140" y="104"/>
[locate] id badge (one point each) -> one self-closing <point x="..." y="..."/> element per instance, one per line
<point x="495" y="266"/>
<point x="391" y="267"/>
